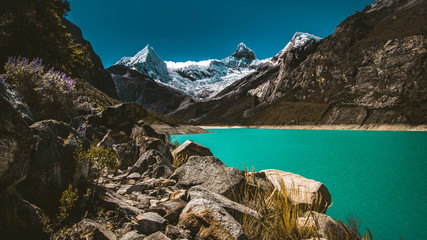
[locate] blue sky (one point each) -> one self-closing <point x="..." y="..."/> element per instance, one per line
<point x="199" y="30"/>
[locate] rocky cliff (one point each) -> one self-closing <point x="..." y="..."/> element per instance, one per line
<point x="371" y="70"/>
<point x="97" y="75"/>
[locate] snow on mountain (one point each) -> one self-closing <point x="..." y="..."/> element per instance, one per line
<point x="298" y="40"/>
<point x="204" y="79"/>
<point x="148" y="62"/>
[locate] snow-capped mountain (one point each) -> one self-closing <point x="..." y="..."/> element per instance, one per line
<point x="148" y="62"/>
<point x="299" y="39"/>
<point x="204" y="79"/>
<point x="199" y="80"/>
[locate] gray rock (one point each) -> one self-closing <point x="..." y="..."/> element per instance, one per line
<point x="151" y="222"/>
<point x="127" y="153"/>
<point x="115" y="201"/>
<point x="211" y="173"/>
<point x="113" y="137"/>
<point x="26" y="113"/>
<point x="326" y="226"/>
<point x="199" y="192"/>
<point x="150" y="143"/>
<point x="206" y="220"/>
<point x="142" y="129"/>
<point x="177" y="233"/>
<point x="157" y="236"/>
<point x="153" y="164"/>
<point x="190" y="148"/>
<point x="16" y="143"/>
<point x="301" y="191"/>
<point x="133" y="235"/>
<point x="170" y="210"/>
<point x="98" y="231"/>
<point x="53" y="166"/>
<point x="135" y="176"/>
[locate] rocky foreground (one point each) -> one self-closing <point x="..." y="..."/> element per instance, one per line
<point x="155" y="193"/>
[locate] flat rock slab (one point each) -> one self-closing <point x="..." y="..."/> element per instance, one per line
<point x="210" y="173"/>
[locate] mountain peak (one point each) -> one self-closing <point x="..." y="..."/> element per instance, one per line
<point x="242" y="51"/>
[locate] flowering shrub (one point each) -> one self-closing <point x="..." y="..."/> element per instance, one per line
<point x="48" y="92"/>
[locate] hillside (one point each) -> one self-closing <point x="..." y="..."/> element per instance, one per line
<point x="371" y="70"/>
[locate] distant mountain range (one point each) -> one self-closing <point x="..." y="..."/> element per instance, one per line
<point x="371" y="70"/>
<point x="203" y="79"/>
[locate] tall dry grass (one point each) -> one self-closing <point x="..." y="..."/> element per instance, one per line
<point x="282" y="220"/>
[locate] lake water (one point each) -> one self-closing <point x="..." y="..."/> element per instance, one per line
<point x="379" y="177"/>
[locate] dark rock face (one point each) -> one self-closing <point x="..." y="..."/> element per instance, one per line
<point x="373" y="62"/>
<point x="120" y="117"/>
<point x="19" y="218"/>
<point x="210" y="173"/>
<point x="23" y="110"/>
<point x="133" y="86"/>
<point x="153" y="164"/>
<point x="144" y="130"/>
<point x="149" y="143"/>
<point x="53" y="166"/>
<point x="16" y="142"/>
<point x="97" y="75"/>
<point x="127" y="153"/>
<point x="242" y="51"/>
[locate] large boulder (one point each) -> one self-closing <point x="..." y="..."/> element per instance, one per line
<point x="127" y="153"/>
<point x="189" y="149"/>
<point x="153" y="164"/>
<point x="120" y="117"/>
<point x="307" y="193"/>
<point x="206" y="220"/>
<point x="53" y="166"/>
<point x="210" y="173"/>
<point x="16" y="142"/>
<point x="150" y="143"/>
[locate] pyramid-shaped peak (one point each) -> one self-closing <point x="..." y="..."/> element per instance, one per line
<point x="242" y="51"/>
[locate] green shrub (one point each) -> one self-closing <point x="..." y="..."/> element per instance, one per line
<point x="99" y="158"/>
<point x="67" y="202"/>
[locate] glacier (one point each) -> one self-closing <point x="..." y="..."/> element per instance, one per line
<point x="202" y="80"/>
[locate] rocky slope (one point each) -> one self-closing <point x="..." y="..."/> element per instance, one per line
<point x="97" y="75"/>
<point x="371" y="70"/>
<point x="154" y="193"/>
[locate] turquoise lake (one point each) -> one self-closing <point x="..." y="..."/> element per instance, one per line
<point x="379" y="177"/>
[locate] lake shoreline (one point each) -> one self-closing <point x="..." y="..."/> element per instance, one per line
<point x="382" y="127"/>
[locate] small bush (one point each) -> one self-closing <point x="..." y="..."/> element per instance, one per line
<point x="49" y="93"/>
<point x="99" y="158"/>
<point x="67" y="202"/>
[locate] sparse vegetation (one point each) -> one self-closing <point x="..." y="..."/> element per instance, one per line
<point x="66" y="203"/>
<point x="280" y="218"/>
